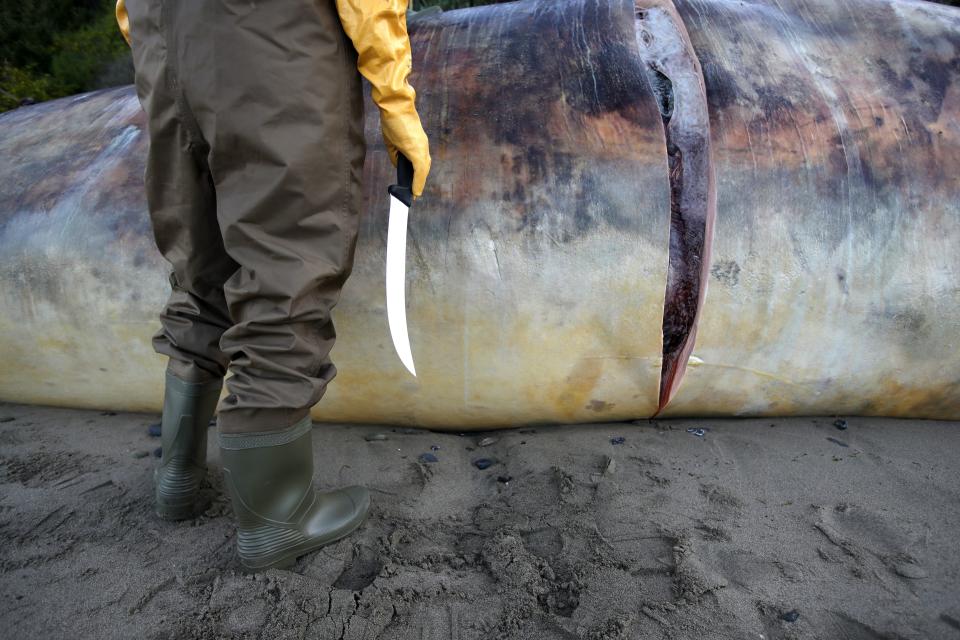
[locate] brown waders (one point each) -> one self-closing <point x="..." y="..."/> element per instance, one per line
<point x="254" y="113"/>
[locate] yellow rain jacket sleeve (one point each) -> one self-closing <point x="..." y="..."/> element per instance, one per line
<point x="378" y="29"/>
<point x="122" y="20"/>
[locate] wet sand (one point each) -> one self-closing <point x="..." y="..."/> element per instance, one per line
<point x="756" y="529"/>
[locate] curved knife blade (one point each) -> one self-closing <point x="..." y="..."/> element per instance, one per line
<point x="396" y="282"/>
<point x="397" y="268"/>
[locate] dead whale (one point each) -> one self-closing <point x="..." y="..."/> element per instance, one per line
<point x="698" y="207"/>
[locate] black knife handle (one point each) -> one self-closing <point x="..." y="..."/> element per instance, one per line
<point x="403" y="190"/>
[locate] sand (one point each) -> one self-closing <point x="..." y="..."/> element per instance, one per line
<point x="758" y="529"/>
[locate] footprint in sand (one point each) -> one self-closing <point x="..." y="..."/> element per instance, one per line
<point x="720" y="499"/>
<point x="862" y="534"/>
<point x="362" y="570"/>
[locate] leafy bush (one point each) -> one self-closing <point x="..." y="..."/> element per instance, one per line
<point x="82" y="57"/>
<point x="18" y="86"/>
<point x="54" y="48"/>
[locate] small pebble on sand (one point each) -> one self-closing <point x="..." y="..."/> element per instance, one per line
<point x="910" y="570"/>
<point x="791" y="616"/>
<point x="618" y="440"/>
<point x="483" y="463"/>
<point x="609" y="465"/>
<point x="427" y="457"/>
<point x="158" y="452"/>
<point x="700" y="433"/>
<point x="375" y="437"/>
<point x="840" y="423"/>
<point x="154" y="430"/>
<point x="486" y="442"/>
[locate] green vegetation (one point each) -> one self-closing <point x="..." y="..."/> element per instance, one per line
<point x="54" y="48"/>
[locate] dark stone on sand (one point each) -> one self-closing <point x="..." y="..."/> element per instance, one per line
<point x="504" y="479"/>
<point x="7" y="419"/>
<point x="618" y="440"/>
<point x="700" y="433"/>
<point x="791" y="616"/>
<point x="158" y="452"/>
<point x="840" y="423"/>
<point x="483" y="463"/>
<point x="154" y="430"/>
<point x="840" y="443"/>
<point x="427" y="457"/>
<point x="950" y="620"/>
<point x="434" y="447"/>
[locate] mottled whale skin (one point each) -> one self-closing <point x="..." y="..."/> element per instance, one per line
<point x="692" y="208"/>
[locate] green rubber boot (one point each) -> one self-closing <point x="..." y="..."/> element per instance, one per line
<point x="187" y="410"/>
<point x="280" y="515"/>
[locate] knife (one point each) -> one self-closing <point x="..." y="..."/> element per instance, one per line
<point x="401" y="197"/>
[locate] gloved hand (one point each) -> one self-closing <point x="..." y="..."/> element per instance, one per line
<point x="403" y="132"/>
<point x="378" y="29"/>
<point x="122" y="20"/>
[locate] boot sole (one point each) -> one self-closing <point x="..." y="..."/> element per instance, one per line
<point x="288" y="558"/>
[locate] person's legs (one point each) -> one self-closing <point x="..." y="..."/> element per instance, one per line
<point x="276" y="93"/>
<point x="182" y="205"/>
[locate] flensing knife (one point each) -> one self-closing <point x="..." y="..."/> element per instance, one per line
<point x="401" y="197"/>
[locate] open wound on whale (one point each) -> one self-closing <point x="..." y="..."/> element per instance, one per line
<point x="677" y="81"/>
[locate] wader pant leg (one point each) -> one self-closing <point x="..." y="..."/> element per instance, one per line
<point x="274" y="90"/>
<point x="183" y="210"/>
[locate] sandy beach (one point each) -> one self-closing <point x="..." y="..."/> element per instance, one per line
<point x="794" y="528"/>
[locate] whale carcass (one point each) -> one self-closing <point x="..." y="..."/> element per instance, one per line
<point x="637" y="208"/>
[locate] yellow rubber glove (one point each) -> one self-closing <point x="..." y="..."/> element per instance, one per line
<point x="378" y="29"/>
<point x="123" y="20"/>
